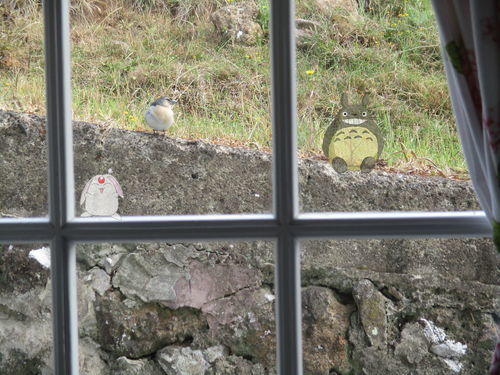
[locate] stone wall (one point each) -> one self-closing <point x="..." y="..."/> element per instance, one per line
<point x="369" y="307"/>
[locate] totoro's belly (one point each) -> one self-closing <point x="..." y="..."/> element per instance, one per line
<point x="353" y="144"/>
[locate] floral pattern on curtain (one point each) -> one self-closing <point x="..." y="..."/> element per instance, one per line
<point x="470" y="34"/>
<point x="470" y="39"/>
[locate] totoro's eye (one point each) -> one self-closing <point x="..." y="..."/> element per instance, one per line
<point x="364" y="114"/>
<point x="344" y="114"/>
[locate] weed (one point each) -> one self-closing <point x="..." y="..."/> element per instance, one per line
<point x="264" y="16"/>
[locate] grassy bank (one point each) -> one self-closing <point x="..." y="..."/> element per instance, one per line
<point x="126" y="53"/>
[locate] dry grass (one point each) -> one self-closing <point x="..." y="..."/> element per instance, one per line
<point x="125" y="53"/>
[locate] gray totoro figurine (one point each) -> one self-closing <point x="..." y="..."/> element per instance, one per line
<point x="353" y="141"/>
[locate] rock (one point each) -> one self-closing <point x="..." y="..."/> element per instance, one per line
<point x="182" y="361"/>
<point x="207" y="283"/>
<point x="449" y="349"/>
<point x="214" y="353"/>
<point x="372" y="311"/>
<point x="244" y="322"/>
<point x="174" y="279"/>
<point x="126" y="366"/>
<point x="325" y="325"/>
<point x="396" y="294"/>
<point x="425" y="291"/>
<point x="177" y="360"/>
<point x="19" y="272"/>
<point x="148" y="276"/>
<point x="106" y="255"/>
<point x="111" y="262"/>
<point x="16" y="362"/>
<point x="371" y="361"/>
<point x="434" y="334"/>
<point x="304" y="30"/>
<point x="25" y="345"/>
<point x="209" y="361"/>
<point x="236" y="365"/>
<point x="486" y="328"/>
<point x="142" y="330"/>
<point x="89" y="358"/>
<point x="87" y="324"/>
<point x="454" y="365"/>
<point x="99" y="280"/>
<point x="25" y="319"/>
<point x="429" y="257"/>
<point x="413" y="346"/>
<point x="13" y="129"/>
<point x="441" y="345"/>
<point x="329" y="7"/>
<point x="356" y="334"/>
<point x="237" y="22"/>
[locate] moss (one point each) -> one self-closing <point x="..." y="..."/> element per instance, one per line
<point x="20" y="273"/>
<point x="18" y="363"/>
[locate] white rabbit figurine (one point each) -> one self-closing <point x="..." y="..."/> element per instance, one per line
<point x="100" y="196"/>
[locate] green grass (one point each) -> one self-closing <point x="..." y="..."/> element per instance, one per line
<point x="127" y="53"/>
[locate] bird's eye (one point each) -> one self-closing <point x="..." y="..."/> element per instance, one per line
<point x="364" y="114"/>
<point x="344" y="114"/>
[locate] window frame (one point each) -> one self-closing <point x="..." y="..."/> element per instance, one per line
<point x="285" y="226"/>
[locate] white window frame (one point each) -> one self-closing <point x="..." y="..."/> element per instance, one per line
<point x="286" y="226"/>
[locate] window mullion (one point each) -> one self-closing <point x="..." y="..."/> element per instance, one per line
<point x="64" y="306"/>
<point x="285" y="185"/>
<point x="25" y="230"/>
<point x="392" y="225"/>
<point x="61" y="192"/>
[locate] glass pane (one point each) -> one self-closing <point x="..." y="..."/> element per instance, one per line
<point x="23" y="153"/>
<point x="183" y="308"/>
<point x="399" y="306"/>
<point x="375" y="117"/>
<point x="25" y="310"/>
<point x="212" y="60"/>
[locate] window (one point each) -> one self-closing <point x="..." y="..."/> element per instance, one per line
<point x="285" y="225"/>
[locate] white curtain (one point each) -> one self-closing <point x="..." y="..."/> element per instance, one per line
<point x="470" y="38"/>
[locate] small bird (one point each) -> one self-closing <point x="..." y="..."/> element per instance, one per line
<point x="160" y="115"/>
